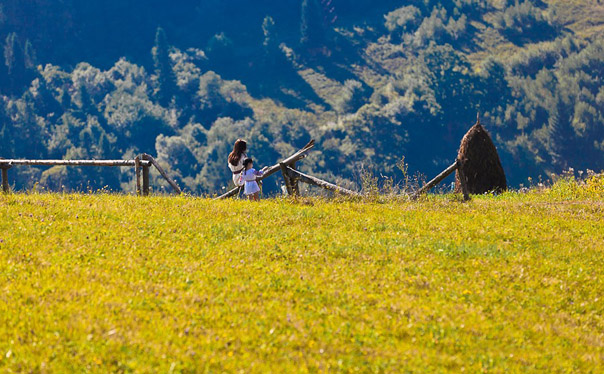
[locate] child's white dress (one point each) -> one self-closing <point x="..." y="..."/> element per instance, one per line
<point x="249" y="178"/>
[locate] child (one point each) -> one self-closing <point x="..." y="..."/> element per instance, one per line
<point x="249" y="174"/>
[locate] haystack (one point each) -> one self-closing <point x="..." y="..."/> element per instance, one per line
<point x="480" y="163"/>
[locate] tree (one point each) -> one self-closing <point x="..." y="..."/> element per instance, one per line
<point x="4" y="81"/>
<point x="44" y="101"/>
<point x="28" y="129"/>
<point x="65" y="99"/>
<point x="6" y="138"/>
<point x="13" y="54"/>
<point x="402" y="20"/>
<point x="220" y="51"/>
<point x="166" y="79"/>
<point x="522" y="19"/>
<point x="29" y="55"/>
<point x="86" y="105"/>
<point x="561" y="133"/>
<point x="175" y="151"/>
<point x="493" y="90"/>
<point x="105" y="149"/>
<point x="312" y="28"/>
<point x="15" y="62"/>
<point x="268" y="29"/>
<point x="350" y="98"/>
<point x="19" y="63"/>
<point x="87" y="141"/>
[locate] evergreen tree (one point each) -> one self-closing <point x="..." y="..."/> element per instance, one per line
<point x="15" y="63"/>
<point x="6" y="139"/>
<point x="8" y="146"/>
<point x="220" y="51"/>
<point x="4" y="81"/>
<point x="492" y="87"/>
<point x="2" y="16"/>
<point x="166" y="79"/>
<point x="87" y="141"/>
<point x="29" y="55"/>
<point x="45" y="102"/>
<point x="28" y="129"/>
<point x="11" y="55"/>
<point x="65" y="99"/>
<point x="562" y="136"/>
<point x="3" y="77"/>
<point x="86" y="104"/>
<point x="268" y="29"/>
<point x="20" y="64"/>
<point x="312" y="28"/>
<point x="104" y="146"/>
<point x="272" y="53"/>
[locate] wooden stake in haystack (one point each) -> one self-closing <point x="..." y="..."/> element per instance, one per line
<point x="478" y="167"/>
<point x="479" y="163"/>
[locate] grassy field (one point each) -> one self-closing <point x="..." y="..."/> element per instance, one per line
<point x="105" y="283"/>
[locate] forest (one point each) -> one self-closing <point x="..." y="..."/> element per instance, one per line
<point x="372" y="81"/>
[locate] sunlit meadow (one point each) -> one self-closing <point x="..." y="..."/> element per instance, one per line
<point x="113" y="283"/>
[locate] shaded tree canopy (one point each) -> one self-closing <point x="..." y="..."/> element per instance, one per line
<point x="372" y="81"/>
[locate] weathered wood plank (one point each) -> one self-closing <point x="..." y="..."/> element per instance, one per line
<point x="5" y="184"/>
<point x="294" y="182"/>
<point x="287" y="179"/>
<point x="301" y="154"/>
<point x="137" y="170"/>
<point x="116" y="163"/>
<point x="319" y="183"/>
<point x="234" y="192"/>
<point x="145" y="162"/>
<point x="145" y="180"/>
<point x="163" y="173"/>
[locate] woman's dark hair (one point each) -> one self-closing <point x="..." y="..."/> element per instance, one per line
<point x="247" y="161"/>
<point x="238" y="150"/>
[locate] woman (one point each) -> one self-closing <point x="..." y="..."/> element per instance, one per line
<point x="236" y="159"/>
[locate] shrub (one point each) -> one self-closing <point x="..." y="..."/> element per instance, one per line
<point x="525" y="21"/>
<point x="404" y="19"/>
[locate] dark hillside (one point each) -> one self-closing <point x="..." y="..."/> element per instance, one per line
<point x="372" y="81"/>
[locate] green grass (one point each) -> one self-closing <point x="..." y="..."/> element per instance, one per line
<point x="105" y="283"/>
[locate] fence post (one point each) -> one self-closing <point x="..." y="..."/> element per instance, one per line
<point x="146" y="168"/>
<point x="137" y="170"/>
<point x="145" y="180"/>
<point x="295" y="182"/>
<point x="287" y="179"/>
<point x="5" y="185"/>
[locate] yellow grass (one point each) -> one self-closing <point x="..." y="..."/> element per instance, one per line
<point x="104" y="283"/>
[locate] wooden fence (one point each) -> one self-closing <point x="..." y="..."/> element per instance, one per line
<point x="141" y="165"/>
<point x="144" y="162"/>
<point x="291" y="176"/>
<point x="287" y="167"/>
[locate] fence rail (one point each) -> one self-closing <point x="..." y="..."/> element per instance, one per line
<point x="140" y="163"/>
<point x="290" y="161"/>
<point x="144" y="162"/>
<point x="291" y="176"/>
<point x="116" y="163"/>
